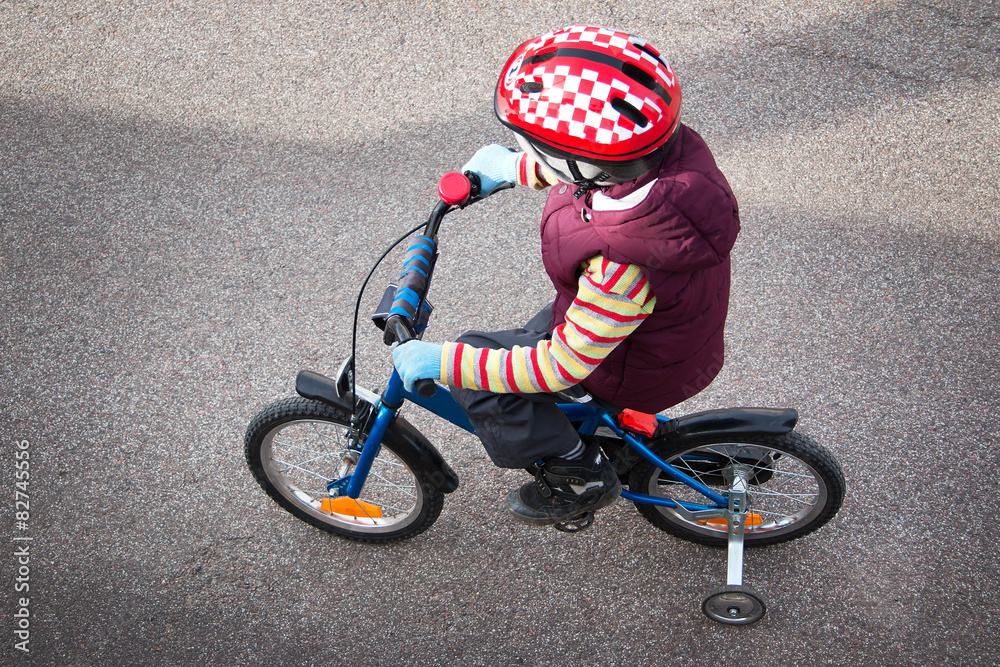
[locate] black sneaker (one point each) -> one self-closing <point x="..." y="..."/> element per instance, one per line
<point x="565" y="490"/>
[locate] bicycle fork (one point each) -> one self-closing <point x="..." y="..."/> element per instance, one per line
<point x="387" y="406"/>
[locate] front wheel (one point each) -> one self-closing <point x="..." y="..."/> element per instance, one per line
<point x="795" y="486"/>
<point x="297" y="447"/>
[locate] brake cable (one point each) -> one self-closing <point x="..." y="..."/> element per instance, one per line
<point x="357" y="309"/>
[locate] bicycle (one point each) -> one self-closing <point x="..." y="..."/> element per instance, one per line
<point x="340" y="458"/>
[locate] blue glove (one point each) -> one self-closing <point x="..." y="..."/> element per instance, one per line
<point x="495" y="166"/>
<point x="416" y="360"/>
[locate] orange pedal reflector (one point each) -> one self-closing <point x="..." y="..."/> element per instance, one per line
<point x="753" y="519"/>
<point x="350" y="507"/>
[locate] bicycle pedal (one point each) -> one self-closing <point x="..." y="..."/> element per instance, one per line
<point x="576" y="525"/>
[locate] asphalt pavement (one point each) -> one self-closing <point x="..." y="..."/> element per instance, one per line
<point x="192" y="192"/>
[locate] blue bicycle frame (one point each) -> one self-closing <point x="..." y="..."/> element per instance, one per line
<point x="589" y="418"/>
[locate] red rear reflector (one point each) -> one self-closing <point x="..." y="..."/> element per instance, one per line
<point x="638" y="422"/>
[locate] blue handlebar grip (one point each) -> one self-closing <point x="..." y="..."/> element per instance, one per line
<point x="413" y="279"/>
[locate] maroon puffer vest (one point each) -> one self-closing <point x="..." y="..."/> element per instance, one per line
<point x="679" y="226"/>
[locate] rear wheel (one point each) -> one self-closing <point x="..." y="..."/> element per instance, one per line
<point x="297" y="447"/>
<point x="795" y="486"/>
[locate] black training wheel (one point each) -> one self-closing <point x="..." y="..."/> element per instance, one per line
<point x="734" y="605"/>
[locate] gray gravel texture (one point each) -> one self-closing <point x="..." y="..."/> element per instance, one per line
<point x="190" y="193"/>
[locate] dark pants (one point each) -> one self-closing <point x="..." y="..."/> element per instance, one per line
<point x="518" y="430"/>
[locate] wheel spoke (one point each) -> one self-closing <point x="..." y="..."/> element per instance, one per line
<point x="390" y="485"/>
<point x="292" y="466"/>
<point x="757" y="492"/>
<point x="764" y="512"/>
<point x="285" y="445"/>
<point x="387" y="506"/>
<point x="388" y="482"/>
<point x="308" y="461"/>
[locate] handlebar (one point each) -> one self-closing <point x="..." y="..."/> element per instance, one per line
<point x="455" y="190"/>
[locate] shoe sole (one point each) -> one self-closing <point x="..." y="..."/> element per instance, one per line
<point x="551" y="521"/>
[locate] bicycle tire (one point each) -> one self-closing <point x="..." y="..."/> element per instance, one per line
<point x="796" y="486"/>
<point x="295" y="447"/>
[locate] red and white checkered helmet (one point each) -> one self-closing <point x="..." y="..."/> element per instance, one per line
<point x="594" y="95"/>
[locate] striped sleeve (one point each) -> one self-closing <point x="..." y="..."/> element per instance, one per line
<point x="611" y="302"/>
<point x="534" y="174"/>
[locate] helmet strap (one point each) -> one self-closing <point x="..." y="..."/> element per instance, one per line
<point x="584" y="185"/>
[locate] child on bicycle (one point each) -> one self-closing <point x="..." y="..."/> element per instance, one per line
<point x="636" y="235"/>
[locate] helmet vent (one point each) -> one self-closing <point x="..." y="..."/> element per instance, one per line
<point x="648" y="49"/>
<point x="531" y="87"/>
<point x="630" y="112"/>
<point x="638" y="75"/>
